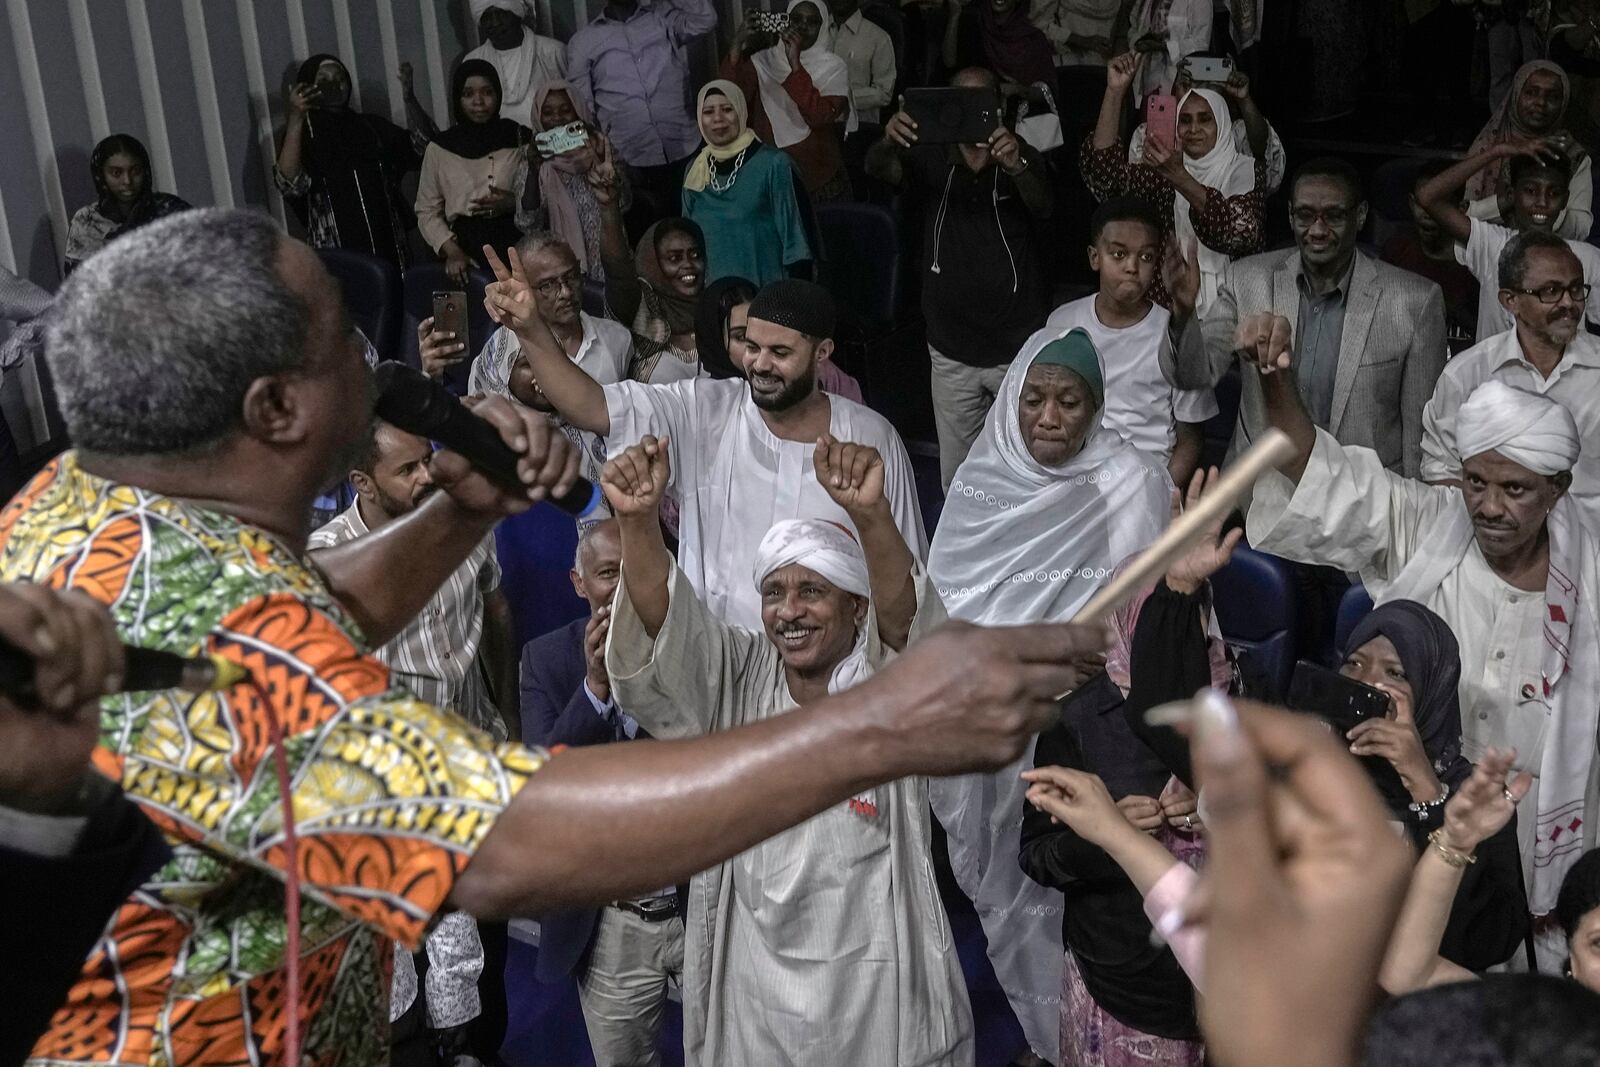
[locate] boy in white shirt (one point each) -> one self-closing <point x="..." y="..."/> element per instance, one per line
<point x="1127" y="327"/>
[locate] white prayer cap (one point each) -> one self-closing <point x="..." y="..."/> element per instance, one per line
<point x="1531" y="430"/>
<point x="520" y="8"/>
<point x="824" y="547"/>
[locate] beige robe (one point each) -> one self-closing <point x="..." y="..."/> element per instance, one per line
<point x="827" y="945"/>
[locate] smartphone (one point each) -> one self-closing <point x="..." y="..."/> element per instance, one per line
<point x="450" y="315"/>
<point x="951" y="115"/>
<point x="1343" y="703"/>
<point x="769" y="23"/>
<point x="1208" y="70"/>
<point x="1161" y="118"/>
<point x="573" y="135"/>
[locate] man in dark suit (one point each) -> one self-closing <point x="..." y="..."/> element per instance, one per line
<point x="622" y="955"/>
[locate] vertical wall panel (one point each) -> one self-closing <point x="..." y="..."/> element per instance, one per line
<point x="205" y="88"/>
<point x="119" y="71"/>
<point x="155" y="117"/>
<point x="254" y="112"/>
<point x="88" y="67"/>
<point x="178" y="102"/>
<point x="38" y="118"/>
<point x="32" y="250"/>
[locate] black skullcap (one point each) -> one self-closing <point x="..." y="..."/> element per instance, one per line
<point x="797" y="305"/>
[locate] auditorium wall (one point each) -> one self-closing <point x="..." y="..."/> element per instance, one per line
<point x="201" y="83"/>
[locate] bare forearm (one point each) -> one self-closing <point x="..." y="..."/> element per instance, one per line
<point x="1141" y="857"/>
<point x="1185" y="453"/>
<point x="1256" y="129"/>
<point x="426" y="546"/>
<point x="579" y="398"/>
<point x="611" y="821"/>
<point x="1437" y="195"/>
<point x="417" y="118"/>
<point x="1108" y="127"/>
<point x="622" y="277"/>
<point x="1413" y="954"/>
<point x="889" y="573"/>
<point x="647" y="569"/>
<point x="1287" y="413"/>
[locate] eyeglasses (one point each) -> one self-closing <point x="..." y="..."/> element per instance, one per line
<point x="1306" y="217"/>
<point x="572" y="282"/>
<point x="1551" y="294"/>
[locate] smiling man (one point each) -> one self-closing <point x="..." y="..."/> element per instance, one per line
<point x="1506" y="560"/>
<point x="741" y="449"/>
<point x="1549" y="352"/>
<point x="827" y="944"/>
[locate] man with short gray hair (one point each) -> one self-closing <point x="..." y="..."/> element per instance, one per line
<point x="210" y="377"/>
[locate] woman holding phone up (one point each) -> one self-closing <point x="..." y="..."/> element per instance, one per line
<point x="1206" y="191"/>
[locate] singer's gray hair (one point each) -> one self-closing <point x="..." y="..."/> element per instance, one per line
<point x="153" y="342"/>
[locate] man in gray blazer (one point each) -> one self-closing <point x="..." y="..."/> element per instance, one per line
<point x="1368" y="338"/>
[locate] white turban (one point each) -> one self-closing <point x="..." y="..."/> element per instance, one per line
<point x="1531" y="430"/>
<point x="824" y="547"/>
<point x="520" y="8"/>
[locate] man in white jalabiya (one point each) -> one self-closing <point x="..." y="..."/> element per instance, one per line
<point x="826" y="945"/>
<point x="1506" y="560"/>
<point x="741" y="449"/>
<point x="1047" y="503"/>
<point x="525" y="61"/>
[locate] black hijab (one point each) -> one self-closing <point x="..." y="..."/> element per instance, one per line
<point x="143" y="207"/>
<point x="474" y="140"/>
<point x="1432" y="660"/>
<point x="711" y="319"/>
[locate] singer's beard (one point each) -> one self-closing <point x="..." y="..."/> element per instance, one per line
<point x="787" y="397"/>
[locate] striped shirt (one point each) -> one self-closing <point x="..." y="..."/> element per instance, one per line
<point x="436" y="655"/>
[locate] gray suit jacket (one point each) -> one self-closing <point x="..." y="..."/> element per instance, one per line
<point x="1391" y="351"/>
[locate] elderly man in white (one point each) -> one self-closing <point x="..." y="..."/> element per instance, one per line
<point x="827" y="944"/>
<point x="1506" y="559"/>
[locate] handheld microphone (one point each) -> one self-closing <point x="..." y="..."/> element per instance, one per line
<point x="415" y="403"/>
<point x="145" y="669"/>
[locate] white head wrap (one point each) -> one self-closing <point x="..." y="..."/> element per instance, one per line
<point x="520" y="8"/>
<point x="1533" y="431"/>
<point x="824" y="547"/>
<point x="828" y="73"/>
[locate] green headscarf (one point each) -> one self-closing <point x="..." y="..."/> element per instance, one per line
<point x="1077" y="354"/>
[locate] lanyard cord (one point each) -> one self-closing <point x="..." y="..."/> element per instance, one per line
<point x="291" y="863"/>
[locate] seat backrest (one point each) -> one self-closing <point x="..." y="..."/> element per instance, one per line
<point x="421" y="283"/>
<point x="1354" y="606"/>
<point x="371" y="293"/>
<point x="861" y="262"/>
<point x="594" y="298"/>
<point x="1254" y="598"/>
<point x="535" y="551"/>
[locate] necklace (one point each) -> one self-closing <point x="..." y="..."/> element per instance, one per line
<point x="722" y="187"/>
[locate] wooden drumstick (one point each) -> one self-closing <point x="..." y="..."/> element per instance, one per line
<point x="1273" y="448"/>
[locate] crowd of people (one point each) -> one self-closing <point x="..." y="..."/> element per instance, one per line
<point x="785" y="706"/>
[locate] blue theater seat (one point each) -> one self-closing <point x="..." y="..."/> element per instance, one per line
<point x="1354" y="607"/>
<point x="421" y="282"/>
<point x="1255" y="609"/>
<point x="372" y="294"/>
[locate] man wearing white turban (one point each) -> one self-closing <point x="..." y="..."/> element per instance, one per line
<point x="1506" y="559"/>
<point x="825" y="945"/>
<point x="1549" y="353"/>
<point x="525" y="60"/>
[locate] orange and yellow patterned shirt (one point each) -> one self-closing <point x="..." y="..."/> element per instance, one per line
<point x="391" y="796"/>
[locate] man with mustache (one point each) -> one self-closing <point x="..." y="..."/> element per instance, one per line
<point x="458" y="653"/>
<point x="1506" y="558"/>
<point x="1549" y="352"/>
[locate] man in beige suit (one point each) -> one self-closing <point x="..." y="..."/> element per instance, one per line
<point x="1369" y="338"/>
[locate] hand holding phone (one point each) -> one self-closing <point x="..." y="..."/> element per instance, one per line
<point x="1161" y="119"/>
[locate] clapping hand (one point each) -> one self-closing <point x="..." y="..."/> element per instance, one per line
<point x="1265" y="340"/>
<point x="1180" y="273"/>
<point x="851" y="474"/>
<point x="1486" y="801"/>
<point x="634" y="479"/>
<point x="594" y="652"/>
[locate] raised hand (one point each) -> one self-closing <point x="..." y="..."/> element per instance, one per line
<point x="302" y="97"/>
<point x="1212" y="551"/>
<point x="1237" y="86"/>
<point x="790" y="40"/>
<point x="1006" y="150"/>
<point x="1163" y="157"/>
<point x="594" y="652"/>
<point x="851" y="474"/>
<point x="1486" y="801"/>
<point x="1265" y="341"/>
<point x="1120" y="72"/>
<point x="509" y="298"/>
<point x="439" y="348"/>
<point x="77" y="658"/>
<point x="602" y="173"/>
<point x="547" y="463"/>
<point x="901" y="129"/>
<point x="1078" y="800"/>
<point x="634" y="479"/>
<point x="1397" y="741"/>
<point x="1180" y="273"/>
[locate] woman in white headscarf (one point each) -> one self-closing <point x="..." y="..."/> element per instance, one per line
<point x="1045" y="506"/>
<point x="799" y="94"/>
<point x="1205" y="188"/>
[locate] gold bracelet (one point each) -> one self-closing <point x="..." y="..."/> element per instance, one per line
<point x="1453" y="856"/>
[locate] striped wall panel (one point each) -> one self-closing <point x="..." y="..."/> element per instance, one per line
<point x="201" y="83"/>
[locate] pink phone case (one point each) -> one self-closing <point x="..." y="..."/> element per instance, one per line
<point x="1161" y="118"/>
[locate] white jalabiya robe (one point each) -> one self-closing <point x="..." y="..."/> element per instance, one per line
<point x="733" y="479"/>
<point x="827" y="945"/>
<point x="1348" y="512"/>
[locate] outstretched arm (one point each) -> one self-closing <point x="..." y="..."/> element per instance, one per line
<point x="623" y="292"/>
<point x="852" y="475"/>
<point x="633" y="482"/>
<point x="1439" y="195"/>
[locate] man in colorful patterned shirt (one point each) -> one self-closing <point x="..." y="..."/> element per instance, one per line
<point x="209" y="378"/>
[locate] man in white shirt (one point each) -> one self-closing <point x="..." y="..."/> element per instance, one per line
<point x="1127" y="328"/>
<point x="1549" y="353"/>
<point x="1505" y="559"/>
<point x="1540" y="178"/>
<point x="526" y="61"/>
<point x="869" y="53"/>
<point x="741" y="451"/>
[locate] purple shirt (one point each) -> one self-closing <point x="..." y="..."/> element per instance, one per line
<point x="634" y="77"/>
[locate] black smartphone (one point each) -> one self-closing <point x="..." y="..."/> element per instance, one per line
<point x="953" y="115"/>
<point x="1343" y="703"/>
